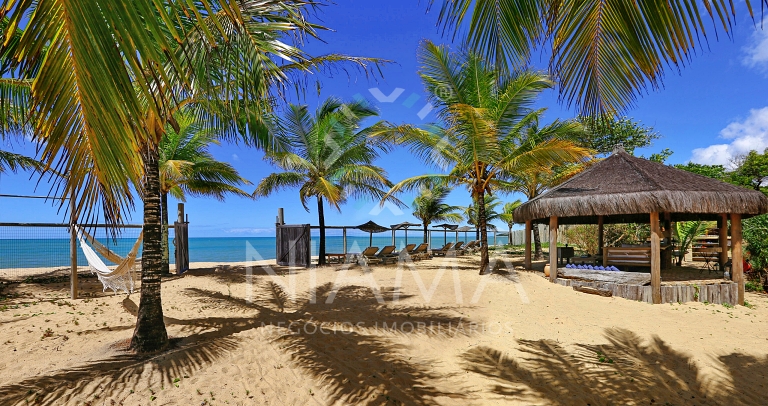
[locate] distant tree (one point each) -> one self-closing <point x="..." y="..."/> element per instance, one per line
<point x="752" y="171"/>
<point x="491" y="213"/>
<point x="329" y="157"/>
<point x="507" y="215"/>
<point x="711" y="171"/>
<point x="604" y="134"/>
<point x="661" y="157"/>
<point x="429" y="206"/>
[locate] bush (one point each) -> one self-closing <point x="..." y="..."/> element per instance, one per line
<point x="753" y="286"/>
<point x="756" y="238"/>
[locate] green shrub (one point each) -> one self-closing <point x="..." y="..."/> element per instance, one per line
<point x="753" y="286"/>
<point x="756" y="238"/>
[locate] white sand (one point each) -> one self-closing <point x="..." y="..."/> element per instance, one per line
<point x="522" y="341"/>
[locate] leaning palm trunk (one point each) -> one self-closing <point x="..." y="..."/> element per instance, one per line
<point x="483" y="228"/>
<point x="538" y="253"/>
<point x="321" y="248"/>
<point x="166" y="250"/>
<point x="150" y="334"/>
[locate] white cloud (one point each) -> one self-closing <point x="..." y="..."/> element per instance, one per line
<point x="235" y="157"/>
<point x="752" y="133"/>
<point x="756" y="53"/>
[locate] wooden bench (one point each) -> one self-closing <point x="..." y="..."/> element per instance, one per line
<point x="627" y="256"/>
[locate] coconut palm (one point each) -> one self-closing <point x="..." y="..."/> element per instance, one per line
<point x="537" y="180"/>
<point x="100" y="112"/>
<point x="604" y="53"/>
<point x="478" y="144"/>
<point x="329" y="157"/>
<point x="188" y="168"/>
<point x="686" y="232"/>
<point x="491" y="205"/>
<point x="429" y="206"/>
<point x="507" y="215"/>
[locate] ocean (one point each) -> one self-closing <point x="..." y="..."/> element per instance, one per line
<point x="54" y="252"/>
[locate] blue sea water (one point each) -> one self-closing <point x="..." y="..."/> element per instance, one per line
<point x="54" y="252"/>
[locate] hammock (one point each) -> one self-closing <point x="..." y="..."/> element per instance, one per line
<point x="119" y="279"/>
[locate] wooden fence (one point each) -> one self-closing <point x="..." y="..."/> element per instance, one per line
<point x="718" y="293"/>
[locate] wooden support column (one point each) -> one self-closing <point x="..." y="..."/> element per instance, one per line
<point x="553" y="248"/>
<point x="655" y="259"/>
<point x="600" y="235"/>
<point x="344" y="238"/>
<point x="723" y="228"/>
<point x="73" y="248"/>
<point x="528" y="227"/>
<point x="737" y="261"/>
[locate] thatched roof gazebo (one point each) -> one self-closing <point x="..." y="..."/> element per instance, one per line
<point x="626" y="189"/>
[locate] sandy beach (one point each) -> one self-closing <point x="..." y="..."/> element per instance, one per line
<point x="432" y="333"/>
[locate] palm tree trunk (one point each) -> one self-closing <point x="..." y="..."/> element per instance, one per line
<point x="150" y="334"/>
<point x="321" y="250"/>
<point x="426" y="232"/>
<point x="538" y="252"/>
<point x="166" y="253"/>
<point x="483" y="228"/>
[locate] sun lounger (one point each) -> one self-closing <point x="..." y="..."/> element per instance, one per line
<point x="420" y="252"/>
<point x="387" y="254"/>
<point x="369" y="257"/>
<point x="443" y="251"/>
<point x="470" y="248"/>
<point x="458" y="248"/>
<point x="405" y="252"/>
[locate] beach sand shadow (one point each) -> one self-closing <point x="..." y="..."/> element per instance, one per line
<point x="626" y="371"/>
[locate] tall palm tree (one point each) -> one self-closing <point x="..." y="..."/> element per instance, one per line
<point x="507" y="215"/>
<point x="329" y="157"/>
<point x="106" y="84"/>
<point x="537" y="180"/>
<point x="604" y="53"/>
<point x="478" y="143"/>
<point x="492" y="214"/>
<point x="429" y="206"/>
<point x="188" y="168"/>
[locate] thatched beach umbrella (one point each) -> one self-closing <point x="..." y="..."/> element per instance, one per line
<point x="445" y="228"/>
<point x="405" y="226"/>
<point x="465" y="229"/>
<point x="371" y="228"/>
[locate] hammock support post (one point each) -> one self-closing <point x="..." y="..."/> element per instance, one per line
<point x="73" y="247"/>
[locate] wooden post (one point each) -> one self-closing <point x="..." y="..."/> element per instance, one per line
<point x="528" y="226"/>
<point x="73" y="247"/>
<point x="494" y="238"/>
<point x="655" y="259"/>
<point x="280" y="216"/>
<point x="553" y="248"/>
<point x="600" y="234"/>
<point x="723" y="228"/>
<point x="737" y="261"/>
<point x="393" y="237"/>
<point x="344" y="237"/>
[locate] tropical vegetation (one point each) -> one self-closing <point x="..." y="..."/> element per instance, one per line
<point x="429" y="206"/>
<point x="477" y="141"/>
<point x="328" y="156"/>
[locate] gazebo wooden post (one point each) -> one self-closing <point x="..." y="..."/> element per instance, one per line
<point x="528" y="264"/>
<point x="737" y="262"/>
<point x="600" y="234"/>
<point x="655" y="259"/>
<point x="553" y="248"/>
<point x="723" y="228"/>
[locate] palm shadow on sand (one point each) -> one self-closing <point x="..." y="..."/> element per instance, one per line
<point x="626" y="371"/>
<point x="317" y="336"/>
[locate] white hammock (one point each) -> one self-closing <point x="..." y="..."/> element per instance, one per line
<point x="119" y="279"/>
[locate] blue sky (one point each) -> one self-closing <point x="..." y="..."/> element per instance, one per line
<point x="716" y="107"/>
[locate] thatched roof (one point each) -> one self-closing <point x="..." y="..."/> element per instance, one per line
<point x="371" y="227"/>
<point x="624" y="189"/>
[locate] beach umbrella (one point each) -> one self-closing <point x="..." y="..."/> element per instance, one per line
<point x="465" y="229"/>
<point x="405" y="226"/>
<point x="445" y="228"/>
<point x="371" y="227"/>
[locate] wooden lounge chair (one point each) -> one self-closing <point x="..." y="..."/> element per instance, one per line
<point x="470" y="248"/>
<point x="443" y="251"/>
<point x="387" y="254"/>
<point x="405" y="252"/>
<point x="369" y="257"/>
<point x="458" y="249"/>
<point x="420" y="252"/>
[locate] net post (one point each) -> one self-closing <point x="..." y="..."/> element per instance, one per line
<point x="73" y="247"/>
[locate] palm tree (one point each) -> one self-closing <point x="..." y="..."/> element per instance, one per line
<point x="478" y="144"/>
<point x="106" y="84"/>
<point x="686" y="232"/>
<point x="604" y="53"/>
<point x="188" y="168"/>
<point x="429" y="206"/>
<point x="329" y="156"/>
<point x="507" y="215"/>
<point x="491" y="205"/>
<point x="537" y="180"/>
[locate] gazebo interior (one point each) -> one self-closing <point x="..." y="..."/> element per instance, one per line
<point x="625" y="189"/>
